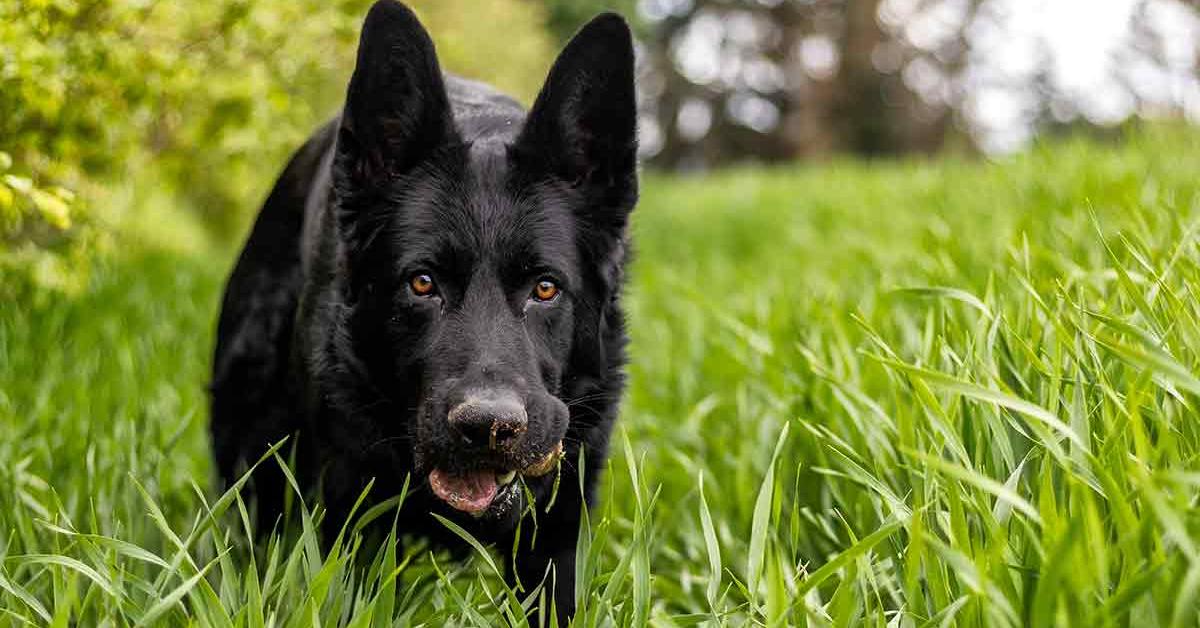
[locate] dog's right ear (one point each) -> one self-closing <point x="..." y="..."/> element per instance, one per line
<point x="397" y="111"/>
<point x="583" y="126"/>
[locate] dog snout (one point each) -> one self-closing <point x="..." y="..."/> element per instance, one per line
<point x="496" y="421"/>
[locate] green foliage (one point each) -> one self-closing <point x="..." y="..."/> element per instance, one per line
<point x="204" y="101"/>
<point x="888" y="394"/>
<point x="42" y="236"/>
<point x="501" y="42"/>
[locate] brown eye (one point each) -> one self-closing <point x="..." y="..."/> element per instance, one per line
<point x="545" y="290"/>
<point x="421" y="284"/>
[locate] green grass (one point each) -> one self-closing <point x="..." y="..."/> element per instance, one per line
<point x="898" y="394"/>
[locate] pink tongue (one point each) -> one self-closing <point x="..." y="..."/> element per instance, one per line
<point x="469" y="492"/>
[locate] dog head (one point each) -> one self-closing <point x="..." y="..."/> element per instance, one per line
<point x="483" y="254"/>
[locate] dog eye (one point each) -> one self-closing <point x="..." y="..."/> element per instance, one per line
<point x="545" y="290"/>
<point x="421" y="285"/>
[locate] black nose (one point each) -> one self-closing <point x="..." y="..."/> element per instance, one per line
<point x="489" y="420"/>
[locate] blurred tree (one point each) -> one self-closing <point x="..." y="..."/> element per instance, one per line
<point x="733" y="80"/>
<point x="775" y="80"/>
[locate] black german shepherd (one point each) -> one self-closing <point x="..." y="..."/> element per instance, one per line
<point x="432" y="291"/>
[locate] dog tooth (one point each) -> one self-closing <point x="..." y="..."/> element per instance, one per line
<point x="507" y="477"/>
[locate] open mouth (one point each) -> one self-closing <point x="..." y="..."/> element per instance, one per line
<point x="473" y="492"/>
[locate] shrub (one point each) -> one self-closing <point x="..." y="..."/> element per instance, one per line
<point x="204" y="99"/>
<point x="41" y="236"/>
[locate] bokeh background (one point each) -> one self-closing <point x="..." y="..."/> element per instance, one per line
<point x="167" y="120"/>
<point x="915" y="335"/>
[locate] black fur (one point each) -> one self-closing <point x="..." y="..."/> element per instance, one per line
<point x="322" y="337"/>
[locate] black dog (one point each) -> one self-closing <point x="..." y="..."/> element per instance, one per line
<point x="432" y="291"/>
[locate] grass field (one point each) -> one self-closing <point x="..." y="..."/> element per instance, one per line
<point x="900" y="394"/>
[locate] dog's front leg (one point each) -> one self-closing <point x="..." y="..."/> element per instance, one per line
<point x="548" y="557"/>
<point x="555" y="568"/>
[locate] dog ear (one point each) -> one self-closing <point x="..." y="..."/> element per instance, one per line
<point x="397" y="111"/>
<point x="583" y="125"/>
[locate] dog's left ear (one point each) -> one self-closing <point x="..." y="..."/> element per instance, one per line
<point x="583" y="125"/>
